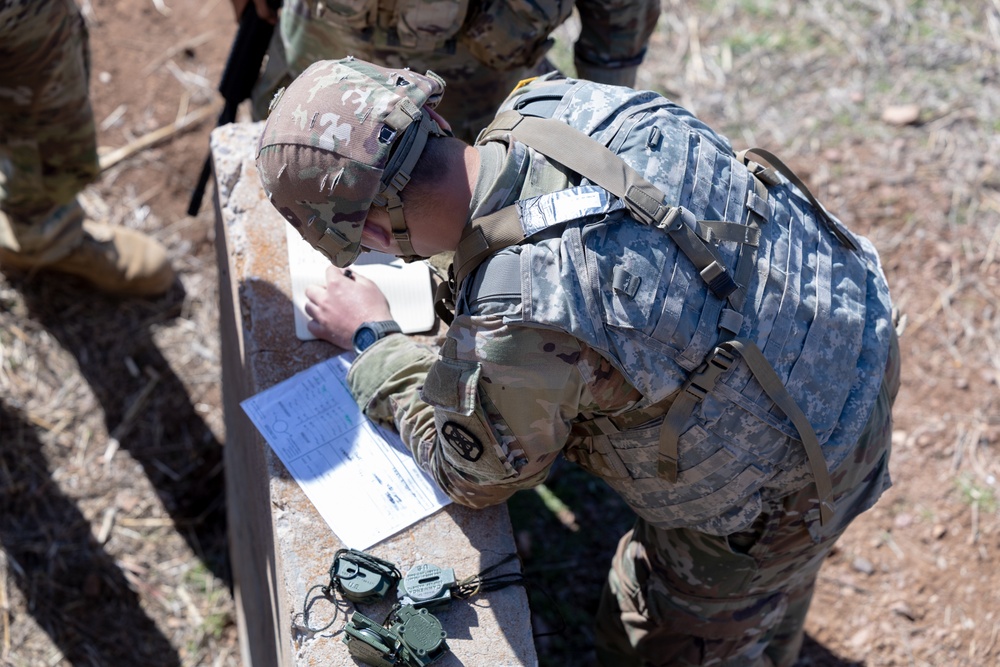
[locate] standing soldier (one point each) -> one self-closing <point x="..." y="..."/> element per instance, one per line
<point x="680" y="320"/>
<point x="482" y="49"/>
<point x="48" y="153"/>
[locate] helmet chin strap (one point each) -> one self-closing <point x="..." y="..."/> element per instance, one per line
<point x="389" y="196"/>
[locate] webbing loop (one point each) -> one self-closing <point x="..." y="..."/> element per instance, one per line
<point x="775" y="389"/>
<point x="769" y="177"/>
<point x="703" y="380"/>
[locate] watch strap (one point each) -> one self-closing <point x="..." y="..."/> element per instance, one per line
<point x="380" y="329"/>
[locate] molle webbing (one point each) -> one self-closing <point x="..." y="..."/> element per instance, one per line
<point x="768" y="176"/>
<point x="645" y="202"/>
<point x="598" y="164"/>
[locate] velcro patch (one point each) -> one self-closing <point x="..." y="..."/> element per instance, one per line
<point x="468" y="446"/>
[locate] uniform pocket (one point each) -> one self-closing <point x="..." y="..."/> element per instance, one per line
<point x="356" y="14"/>
<point x="631" y="266"/>
<point x="451" y="384"/>
<point x="508" y="34"/>
<point x="466" y="439"/>
<point x="425" y="25"/>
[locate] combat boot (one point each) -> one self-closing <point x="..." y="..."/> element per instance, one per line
<point x="116" y="260"/>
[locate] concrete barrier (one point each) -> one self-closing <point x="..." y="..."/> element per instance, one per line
<point x="280" y="546"/>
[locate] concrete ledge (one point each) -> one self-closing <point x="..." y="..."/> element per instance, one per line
<point x="280" y="546"/>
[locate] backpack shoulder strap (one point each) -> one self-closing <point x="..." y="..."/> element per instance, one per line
<point x="703" y="380"/>
<point x="595" y="162"/>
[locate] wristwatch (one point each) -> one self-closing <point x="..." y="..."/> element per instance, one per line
<point x="369" y="332"/>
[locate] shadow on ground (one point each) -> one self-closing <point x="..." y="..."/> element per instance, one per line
<point x="75" y="591"/>
<point x="73" y="588"/>
<point x="815" y="654"/>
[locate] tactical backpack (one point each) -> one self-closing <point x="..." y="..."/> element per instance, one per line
<point x="710" y="383"/>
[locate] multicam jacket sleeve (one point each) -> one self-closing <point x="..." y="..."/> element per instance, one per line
<point x="490" y="414"/>
<point x="613" y="38"/>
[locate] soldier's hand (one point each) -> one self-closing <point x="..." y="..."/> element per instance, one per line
<point x="342" y="305"/>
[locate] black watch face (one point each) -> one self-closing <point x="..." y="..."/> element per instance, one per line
<point x="364" y="338"/>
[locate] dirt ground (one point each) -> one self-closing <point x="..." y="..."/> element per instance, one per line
<point x="112" y="518"/>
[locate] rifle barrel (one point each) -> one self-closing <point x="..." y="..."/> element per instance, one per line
<point x="238" y="78"/>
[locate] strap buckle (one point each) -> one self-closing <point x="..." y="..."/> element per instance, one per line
<point x="703" y="380"/>
<point x="718" y="280"/>
<point x="645" y="207"/>
<point x="398" y="181"/>
<point x="672" y="221"/>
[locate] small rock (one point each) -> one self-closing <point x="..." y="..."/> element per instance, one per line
<point x="861" y="638"/>
<point x="939" y="531"/>
<point x="902" y="520"/>
<point x="903" y="114"/>
<point x="900" y="608"/>
<point x="863" y="565"/>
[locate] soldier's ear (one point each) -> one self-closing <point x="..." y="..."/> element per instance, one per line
<point x="377" y="215"/>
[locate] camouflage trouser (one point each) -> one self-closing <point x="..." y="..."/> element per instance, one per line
<point x="473" y="93"/>
<point x="48" y="144"/>
<point x="680" y="597"/>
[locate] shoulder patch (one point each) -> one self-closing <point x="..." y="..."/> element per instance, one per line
<point x="465" y="443"/>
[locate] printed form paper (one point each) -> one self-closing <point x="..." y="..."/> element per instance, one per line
<point x="361" y="478"/>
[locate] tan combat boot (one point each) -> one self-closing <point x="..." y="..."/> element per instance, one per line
<point x="115" y="260"/>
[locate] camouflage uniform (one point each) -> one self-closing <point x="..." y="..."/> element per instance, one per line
<point x="48" y="150"/>
<point x="595" y="317"/>
<point x="481" y="49"/>
<point x="674" y="596"/>
<point x="712" y="573"/>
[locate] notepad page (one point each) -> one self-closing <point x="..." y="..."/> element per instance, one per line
<point x="407" y="286"/>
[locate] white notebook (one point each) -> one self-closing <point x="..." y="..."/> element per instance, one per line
<point x="407" y="287"/>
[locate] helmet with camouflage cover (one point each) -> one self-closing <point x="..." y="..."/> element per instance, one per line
<point x="344" y="134"/>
